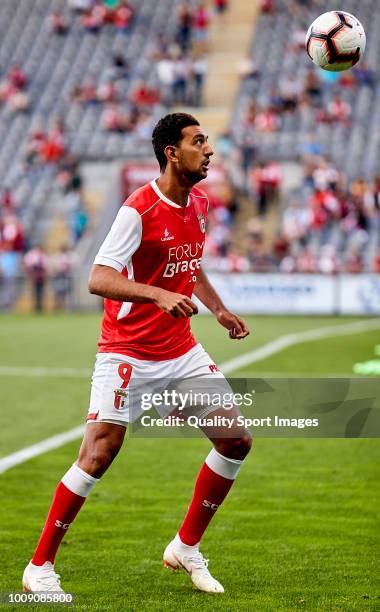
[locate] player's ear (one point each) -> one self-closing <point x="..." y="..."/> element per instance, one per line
<point x="171" y="153"/>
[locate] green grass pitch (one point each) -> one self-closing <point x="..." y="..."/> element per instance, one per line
<point x="299" y="530"/>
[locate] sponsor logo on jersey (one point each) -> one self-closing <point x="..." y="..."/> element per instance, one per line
<point x="182" y="266"/>
<point x="184" y="258"/>
<point x="121" y="397"/>
<point x="166" y="235"/>
<point x="213" y="368"/>
<point x="202" y="223"/>
<point x="208" y="504"/>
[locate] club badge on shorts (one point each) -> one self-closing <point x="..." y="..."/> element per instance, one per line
<point x="121" y="399"/>
<point x="202" y="223"/>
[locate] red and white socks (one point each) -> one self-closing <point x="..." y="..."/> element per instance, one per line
<point x="68" y="499"/>
<point x="213" y="483"/>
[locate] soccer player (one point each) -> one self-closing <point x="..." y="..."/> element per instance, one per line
<point x="147" y="269"/>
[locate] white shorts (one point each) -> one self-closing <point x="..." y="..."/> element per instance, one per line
<point x="118" y="382"/>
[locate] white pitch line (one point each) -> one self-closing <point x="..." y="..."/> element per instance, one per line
<point x="284" y="342"/>
<point x="228" y="366"/>
<point x="41" y="447"/>
<point x="45" y="372"/>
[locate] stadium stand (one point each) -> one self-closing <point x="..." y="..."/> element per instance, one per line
<point x="86" y="80"/>
<point x="295" y="103"/>
<point x="327" y="123"/>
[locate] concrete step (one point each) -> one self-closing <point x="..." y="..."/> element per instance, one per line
<point x="230" y="38"/>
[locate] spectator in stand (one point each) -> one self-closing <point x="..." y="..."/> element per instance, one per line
<point x="267" y="120"/>
<point x="120" y="68"/>
<point x="62" y="268"/>
<point x="165" y="75"/>
<point x="9" y="276"/>
<point x="259" y="259"/>
<point x="290" y="93"/>
<point x="160" y="48"/>
<point x="199" y="73"/>
<point x="34" y="148"/>
<point x="339" y="110"/>
<point x="265" y="181"/>
<point x="36" y="266"/>
<point x="325" y="175"/>
<point x="77" y="215"/>
<point x="219" y="236"/>
<point x="247" y="141"/>
<point x="306" y="262"/>
<point x="17" y="77"/>
<point x="353" y="262"/>
<point x="185" y="21"/>
<point x="69" y="177"/>
<point x="313" y="88"/>
<point x="7" y="203"/>
<point x="221" y="6"/>
<point x="12" y="236"/>
<point x="298" y="40"/>
<point x="234" y="262"/>
<point x="54" y="146"/>
<point x="201" y="27"/>
<point x="268" y="7"/>
<point x="364" y="74"/>
<point x="107" y="92"/>
<point x="7" y="90"/>
<point x="93" y="20"/>
<point x="248" y="69"/>
<point x="123" y="16"/>
<point x="182" y="70"/>
<point x="114" y="119"/>
<point x="12" y="91"/>
<point x="86" y="93"/>
<point x="295" y="223"/>
<point x="327" y="260"/>
<point x="376" y="263"/>
<point x="275" y="101"/>
<point x="143" y="96"/>
<point x="19" y="102"/>
<point x="58" y="24"/>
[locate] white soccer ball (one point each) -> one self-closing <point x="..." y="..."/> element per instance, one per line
<point x="335" y="41"/>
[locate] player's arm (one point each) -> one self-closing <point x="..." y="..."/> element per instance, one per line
<point x="206" y="293"/>
<point x="109" y="283"/>
<point x="115" y="254"/>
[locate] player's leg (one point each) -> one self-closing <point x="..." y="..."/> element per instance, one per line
<point x="101" y="443"/>
<point x="216" y="476"/>
<point x="212" y="486"/>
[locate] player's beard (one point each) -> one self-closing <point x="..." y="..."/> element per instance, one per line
<point x="194" y="177"/>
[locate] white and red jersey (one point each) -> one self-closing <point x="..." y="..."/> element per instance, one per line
<point x="156" y="242"/>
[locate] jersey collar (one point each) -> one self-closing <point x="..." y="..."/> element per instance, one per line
<point x="156" y="188"/>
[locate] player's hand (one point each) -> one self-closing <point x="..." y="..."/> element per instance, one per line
<point x="237" y="328"/>
<point x="177" y="305"/>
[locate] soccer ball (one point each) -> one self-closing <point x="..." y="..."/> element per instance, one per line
<point x="335" y="41"/>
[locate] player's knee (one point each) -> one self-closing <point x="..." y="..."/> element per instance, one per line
<point x="242" y="445"/>
<point x="237" y="448"/>
<point x="97" y="459"/>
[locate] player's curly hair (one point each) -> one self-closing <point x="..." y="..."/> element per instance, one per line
<point x="168" y="132"/>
